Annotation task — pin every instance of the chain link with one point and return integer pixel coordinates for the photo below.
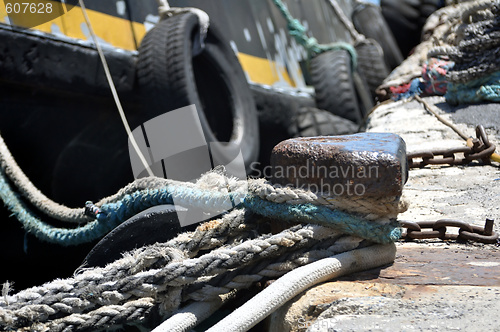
(480, 149)
(466, 231)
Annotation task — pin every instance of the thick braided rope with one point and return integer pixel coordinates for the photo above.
(136, 310)
(191, 315)
(44, 231)
(207, 236)
(324, 238)
(87, 291)
(119, 314)
(275, 193)
(207, 194)
(345, 222)
(108, 316)
(131, 200)
(380, 206)
(232, 280)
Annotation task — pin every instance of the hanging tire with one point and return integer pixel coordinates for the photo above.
(369, 21)
(332, 79)
(173, 73)
(278, 107)
(311, 121)
(371, 64)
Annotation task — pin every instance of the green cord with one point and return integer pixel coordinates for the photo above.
(311, 44)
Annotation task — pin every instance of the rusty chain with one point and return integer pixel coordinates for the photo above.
(480, 149)
(466, 231)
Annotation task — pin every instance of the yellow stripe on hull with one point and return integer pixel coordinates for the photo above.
(120, 33)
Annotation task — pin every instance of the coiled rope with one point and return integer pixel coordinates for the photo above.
(127, 289)
(281, 291)
(466, 41)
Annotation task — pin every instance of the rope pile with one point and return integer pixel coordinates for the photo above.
(464, 64)
(437, 30)
(154, 281)
(475, 77)
(209, 265)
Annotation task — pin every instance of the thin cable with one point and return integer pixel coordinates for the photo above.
(113, 91)
(429, 109)
(346, 22)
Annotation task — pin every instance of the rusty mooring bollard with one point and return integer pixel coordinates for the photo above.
(365, 164)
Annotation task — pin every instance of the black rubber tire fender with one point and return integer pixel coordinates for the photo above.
(369, 21)
(156, 224)
(277, 112)
(371, 64)
(406, 19)
(172, 76)
(311, 121)
(407, 8)
(276, 107)
(398, 23)
(332, 79)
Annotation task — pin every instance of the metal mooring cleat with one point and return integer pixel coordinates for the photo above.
(365, 164)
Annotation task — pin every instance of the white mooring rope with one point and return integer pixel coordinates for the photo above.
(298, 280)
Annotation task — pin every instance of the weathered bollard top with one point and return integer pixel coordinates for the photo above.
(364, 164)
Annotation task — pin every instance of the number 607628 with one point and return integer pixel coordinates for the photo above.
(28, 8)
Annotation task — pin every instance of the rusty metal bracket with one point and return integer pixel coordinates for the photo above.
(440, 230)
